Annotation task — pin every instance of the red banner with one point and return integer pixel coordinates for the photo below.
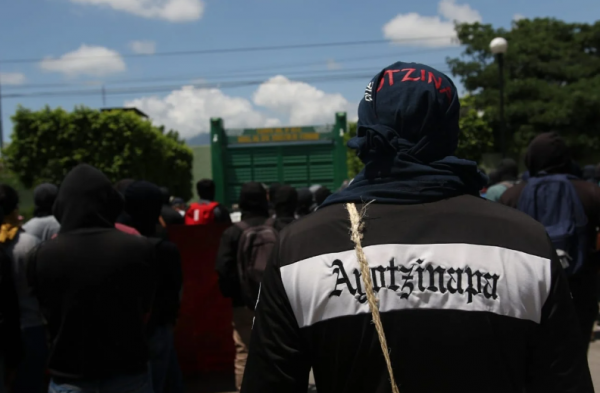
(204, 335)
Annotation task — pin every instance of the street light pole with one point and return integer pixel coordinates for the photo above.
(498, 47)
(500, 57)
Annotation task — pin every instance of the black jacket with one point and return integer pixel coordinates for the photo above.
(168, 292)
(10, 320)
(226, 264)
(95, 284)
(171, 216)
(471, 294)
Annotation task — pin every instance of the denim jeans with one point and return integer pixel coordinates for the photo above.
(140, 383)
(163, 361)
(30, 377)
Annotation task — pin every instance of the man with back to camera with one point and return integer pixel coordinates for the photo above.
(206, 210)
(365, 309)
(96, 288)
(549, 163)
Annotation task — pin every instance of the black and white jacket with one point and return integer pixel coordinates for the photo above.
(472, 299)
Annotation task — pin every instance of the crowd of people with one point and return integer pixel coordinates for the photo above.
(91, 285)
(405, 277)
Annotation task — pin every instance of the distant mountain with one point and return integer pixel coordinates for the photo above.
(199, 140)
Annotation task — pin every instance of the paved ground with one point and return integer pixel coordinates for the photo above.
(225, 384)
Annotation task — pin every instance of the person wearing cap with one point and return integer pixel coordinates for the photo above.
(422, 293)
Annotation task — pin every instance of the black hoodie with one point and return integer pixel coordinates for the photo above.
(143, 205)
(285, 202)
(94, 283)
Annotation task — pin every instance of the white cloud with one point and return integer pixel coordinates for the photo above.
(143, 47)
(12, 78)
(189, 110)
(333, 65)
(462, 13)
(87, 60)
(302, 103)
(169, 10)
(406, 27)
(518, 17)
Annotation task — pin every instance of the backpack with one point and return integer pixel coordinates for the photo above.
(254, 250)
(553, 201)
(201, 213)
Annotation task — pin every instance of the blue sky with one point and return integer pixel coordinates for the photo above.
(302, 86)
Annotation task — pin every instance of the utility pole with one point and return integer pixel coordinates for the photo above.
(1, 125)
(103, 97)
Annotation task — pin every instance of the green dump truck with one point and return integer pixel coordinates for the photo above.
(298, 156)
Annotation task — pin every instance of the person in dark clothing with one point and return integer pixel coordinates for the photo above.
(10, 320)
(123, 220)
(18, 244)
(285, 202)
(96, 287)
(576, 170)
(206, 193)
(43, 225)
(507, 175)
(272, 192)
(255, 211)
(305, 202)
(169, 215)
(144, 201)
(363, 307)
(589, 174)
(321, 195)
(549, 153)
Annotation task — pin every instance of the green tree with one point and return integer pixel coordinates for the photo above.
(47, 144)
(354, 163)
(552, 74)
(475, 138)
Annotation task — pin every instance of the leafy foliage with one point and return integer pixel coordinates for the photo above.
(476, 136)
(354, 163)
(552, 80)
(47, 144)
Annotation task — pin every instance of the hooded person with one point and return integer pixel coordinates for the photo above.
(144, 203)
(285, 202)
(549, 161)
(43, 225)
(420, 235)
(321, 195)
(169, 215)
(272, 192)
(18, 244)
(123, 223)
(254, 205)
(305, 202)
(507, 175)
(97, 321)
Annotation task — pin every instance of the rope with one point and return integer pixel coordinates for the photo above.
(357, 227)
